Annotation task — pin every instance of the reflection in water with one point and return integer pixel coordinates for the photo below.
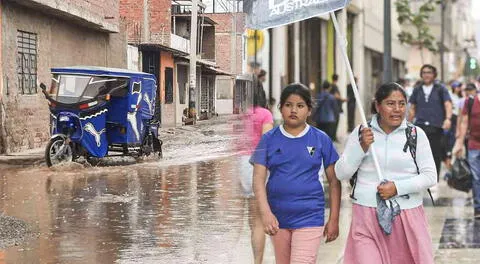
(460, 233)
(141, 213)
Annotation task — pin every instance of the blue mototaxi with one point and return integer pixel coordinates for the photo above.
(97, 111)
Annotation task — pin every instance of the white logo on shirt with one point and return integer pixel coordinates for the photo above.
(311, 150)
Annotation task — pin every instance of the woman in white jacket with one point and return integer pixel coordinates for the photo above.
(410, 240)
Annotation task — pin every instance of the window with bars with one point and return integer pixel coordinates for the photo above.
(27, 62)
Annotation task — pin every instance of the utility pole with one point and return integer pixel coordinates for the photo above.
(387, 42)
(443, 5)
(193, 62)
(234, 39)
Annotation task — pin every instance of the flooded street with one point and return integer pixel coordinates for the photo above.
(186, 208)
(126, 214)
(175, 209)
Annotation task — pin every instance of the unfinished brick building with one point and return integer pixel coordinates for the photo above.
(37, 35)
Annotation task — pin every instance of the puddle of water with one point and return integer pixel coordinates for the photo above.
(178, 214)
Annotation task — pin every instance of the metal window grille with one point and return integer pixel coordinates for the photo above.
(27, 62)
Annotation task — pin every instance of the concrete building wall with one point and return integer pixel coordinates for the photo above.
(168, 110)
(182, 28)
(373, 19)
(96, 14)
(224, 100)
(2, 109)
(181, 87)
(59, 43)
(458, 33)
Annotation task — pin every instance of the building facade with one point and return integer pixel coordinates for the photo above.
(229, 50)
(38, 35)
(459, 40)
(159, 43)
(309, 52)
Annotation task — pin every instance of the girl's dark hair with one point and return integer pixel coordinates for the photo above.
(385, 91)
(298, 89)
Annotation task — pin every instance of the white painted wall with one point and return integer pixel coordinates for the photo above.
(132, 58)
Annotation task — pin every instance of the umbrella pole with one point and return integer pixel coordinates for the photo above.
(343, 48)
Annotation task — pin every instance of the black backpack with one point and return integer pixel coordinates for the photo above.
(411, 144)
(461, 177)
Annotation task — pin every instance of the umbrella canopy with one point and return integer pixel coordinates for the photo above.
(264, 14)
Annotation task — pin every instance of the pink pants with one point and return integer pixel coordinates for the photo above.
(294, 246)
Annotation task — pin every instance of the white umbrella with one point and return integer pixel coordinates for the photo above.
(264, 14)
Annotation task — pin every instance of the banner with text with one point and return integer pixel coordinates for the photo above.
(262, 14)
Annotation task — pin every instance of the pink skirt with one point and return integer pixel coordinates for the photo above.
(409, 242)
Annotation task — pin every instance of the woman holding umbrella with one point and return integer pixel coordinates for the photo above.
(401, 235)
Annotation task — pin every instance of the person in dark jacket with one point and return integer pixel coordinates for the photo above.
(351, 104)
(340, 100)
(431, 107)
(259, 92)
(326, 109)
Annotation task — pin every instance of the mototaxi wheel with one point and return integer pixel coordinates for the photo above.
(53, 149)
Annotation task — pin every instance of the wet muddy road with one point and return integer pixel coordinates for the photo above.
(145, 212)
(185, 208)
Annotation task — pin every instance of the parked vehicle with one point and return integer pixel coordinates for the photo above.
(98, 112)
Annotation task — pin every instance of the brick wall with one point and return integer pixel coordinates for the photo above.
(224, 22)
(131, 14)
(158, 20)
(223, 41)
(60, 43)
(223, 50)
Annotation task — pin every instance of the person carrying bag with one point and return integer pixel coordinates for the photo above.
(470, 127)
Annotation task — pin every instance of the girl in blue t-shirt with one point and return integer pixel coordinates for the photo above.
(292, 204)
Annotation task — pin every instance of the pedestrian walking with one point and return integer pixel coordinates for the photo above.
(325, 110)
(407, 173)
(407, 86)
(340, 100)
(292, 204)
(470, 128)
(431, 106)
(456, 95)
(256, 121)
(470, 90)
(351, 105)
(259, 91)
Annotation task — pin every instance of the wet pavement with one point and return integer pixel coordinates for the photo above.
(126, 214)
(187, 208)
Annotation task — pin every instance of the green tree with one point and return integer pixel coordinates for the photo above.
(422, 37)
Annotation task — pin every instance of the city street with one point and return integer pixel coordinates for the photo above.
(186, 208)
(84, 80)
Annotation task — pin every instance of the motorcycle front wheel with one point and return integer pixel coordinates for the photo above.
(58, 152)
